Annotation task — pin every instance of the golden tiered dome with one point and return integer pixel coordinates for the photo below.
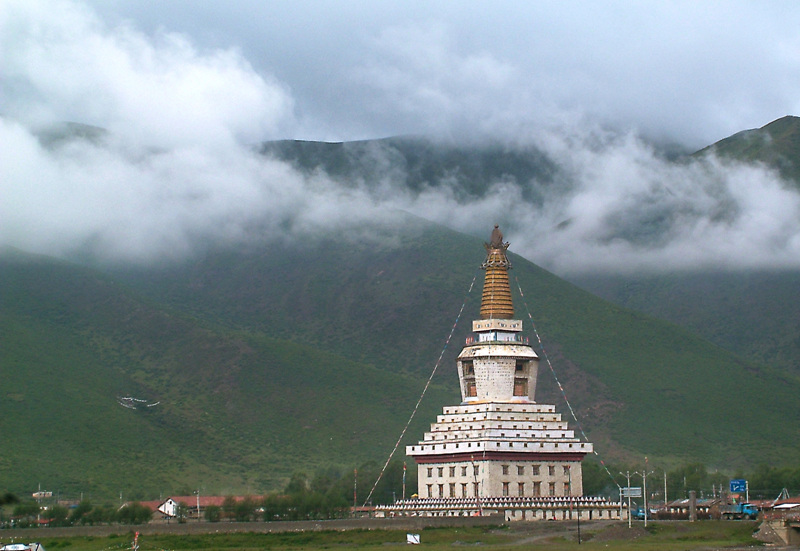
(496, 301)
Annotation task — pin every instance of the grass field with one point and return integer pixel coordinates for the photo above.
(658, 536)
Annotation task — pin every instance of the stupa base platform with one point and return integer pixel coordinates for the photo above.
(511, 508)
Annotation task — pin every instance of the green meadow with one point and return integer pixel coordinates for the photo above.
(551, 536)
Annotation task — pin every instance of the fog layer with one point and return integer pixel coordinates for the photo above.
(176, 169)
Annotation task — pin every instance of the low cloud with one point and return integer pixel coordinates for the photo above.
(621, 208)
(176, 169)
(632, 211)
(60, 62)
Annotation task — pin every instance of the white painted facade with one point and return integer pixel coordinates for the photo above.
(499, 449)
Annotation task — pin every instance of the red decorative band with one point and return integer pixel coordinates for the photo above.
(497, 456)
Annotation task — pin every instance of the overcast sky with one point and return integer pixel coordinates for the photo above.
(183, 85)
(690, 71)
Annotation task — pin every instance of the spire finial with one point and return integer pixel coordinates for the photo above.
(496, 301)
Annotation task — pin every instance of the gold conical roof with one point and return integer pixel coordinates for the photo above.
(496, 300)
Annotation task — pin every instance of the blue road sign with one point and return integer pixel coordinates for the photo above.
(738, 486)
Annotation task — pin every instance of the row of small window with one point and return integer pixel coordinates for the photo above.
(540, 409)
(502, 435)
(535, 470)
(536, 487)
(468, 368)
(520, 387)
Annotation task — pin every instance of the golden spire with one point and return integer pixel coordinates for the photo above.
(496, 301)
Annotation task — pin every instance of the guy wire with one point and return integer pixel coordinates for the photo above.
(424, 390)
(560, 387)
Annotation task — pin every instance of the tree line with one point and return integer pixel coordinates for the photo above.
(328, 493)
(25, 514)
(332, 492)
(764, 482)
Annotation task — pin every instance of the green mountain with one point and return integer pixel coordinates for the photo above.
(752, 313)
(105, 391)
(776, 145)
(232, 370)
(417, 164)
(253, 363)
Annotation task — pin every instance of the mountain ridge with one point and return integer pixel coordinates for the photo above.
(776, 145)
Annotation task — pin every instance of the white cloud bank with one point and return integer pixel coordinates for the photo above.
(176, 169)
(60, 62)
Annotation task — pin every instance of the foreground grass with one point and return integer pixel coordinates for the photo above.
(551, 536)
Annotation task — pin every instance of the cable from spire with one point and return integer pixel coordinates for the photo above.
(424, 390)
(560, 387)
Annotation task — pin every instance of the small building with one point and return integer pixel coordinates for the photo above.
(195, 506)
(703, 507)
(786, 509)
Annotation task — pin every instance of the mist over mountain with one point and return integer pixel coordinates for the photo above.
(586, 202)
(233, 287)
(550, 136)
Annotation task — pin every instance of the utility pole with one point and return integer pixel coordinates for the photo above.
(627, 475)
(577, 503)
(355, 490)
(477, 486)
(404, 480)
(644, 490)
